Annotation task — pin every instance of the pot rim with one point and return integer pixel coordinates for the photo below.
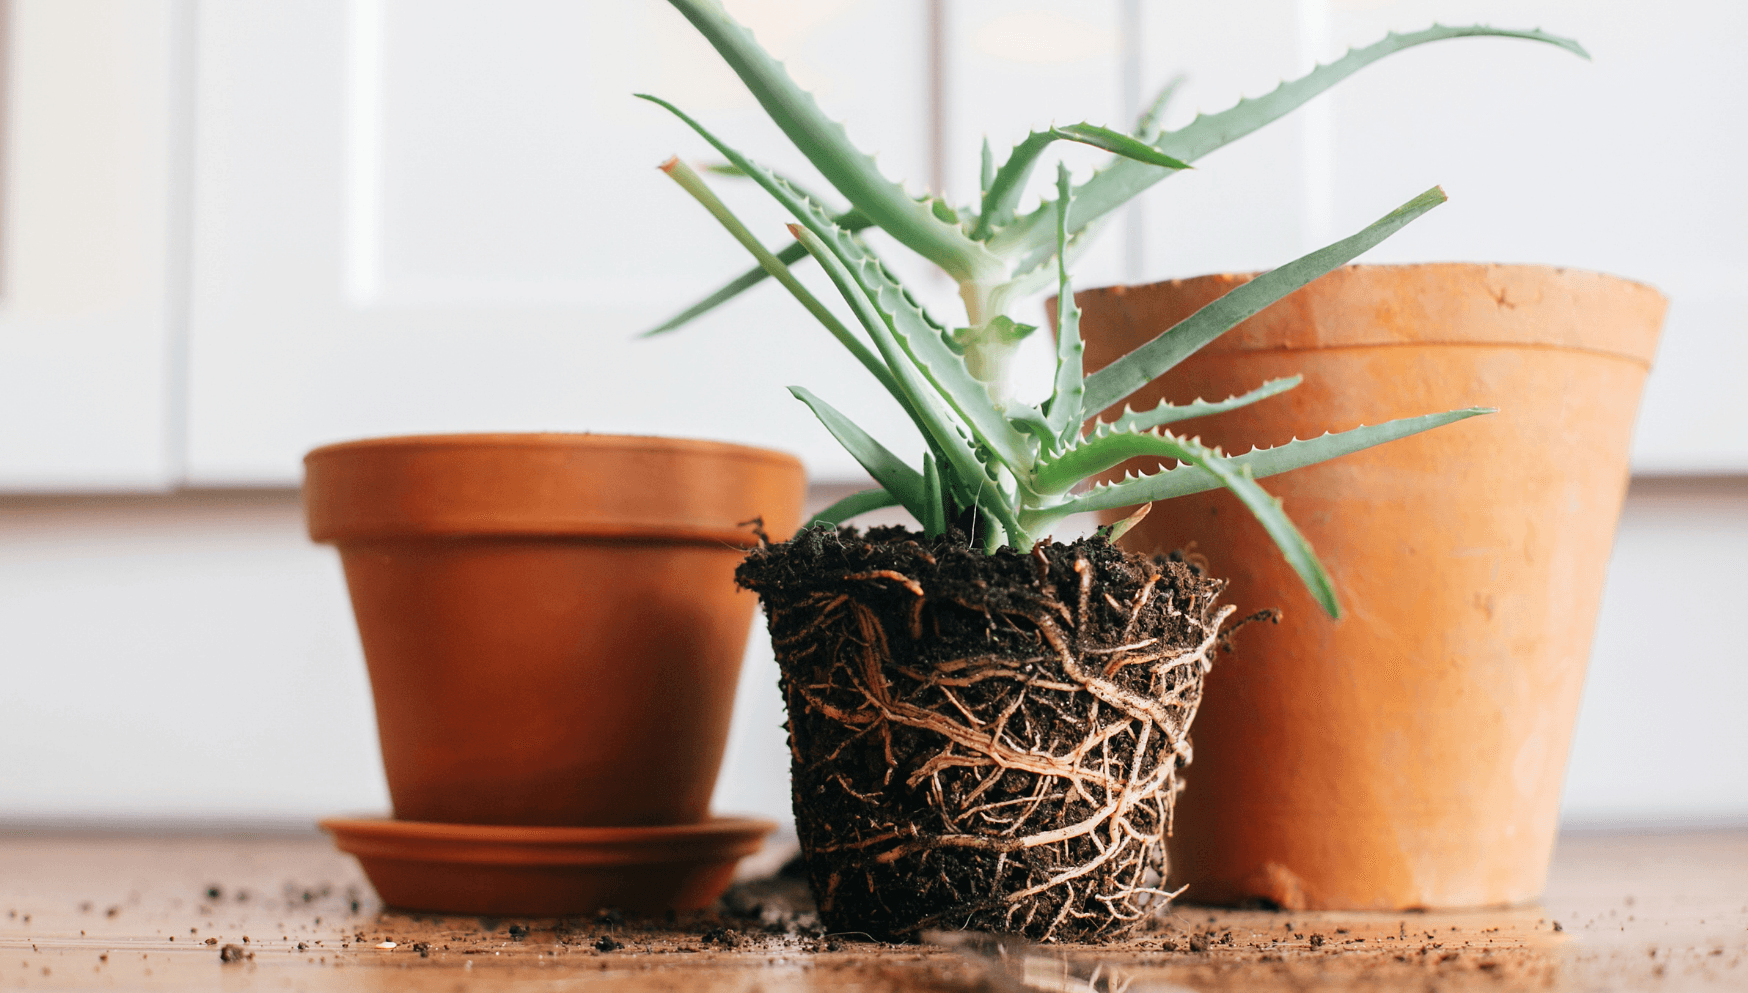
(1487, 304)
(556, 439)
(547, 484)
(1378, 267)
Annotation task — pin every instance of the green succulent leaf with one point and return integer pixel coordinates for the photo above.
(1113, 449)
(694, 184)
(927, 341)
(856, 503)
(1147, 126)
(1064, 407)
(1141, 366)
(1262, 462)
(1171, 413)
(1115, 532)
(1268, 512)
(933, 351)
(824, 142)
(934, 516)
(931, 347)
(1038, 271)
(810, 213)
(789, 254)
(946, 435)
(1118, 143)
(1001, 194)
(890, 471)
(1032, 421)
(734, 171)
(1000, 329)
(1120, 182)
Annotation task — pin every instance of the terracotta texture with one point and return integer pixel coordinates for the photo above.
(550, 621)
(1412, 753)
(548, 872)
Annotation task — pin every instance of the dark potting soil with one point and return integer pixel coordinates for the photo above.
(984, 741)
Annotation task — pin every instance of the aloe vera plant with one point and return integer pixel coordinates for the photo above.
(1009, 470)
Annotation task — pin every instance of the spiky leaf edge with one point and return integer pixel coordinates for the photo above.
(1148, 362)
(1124, 179)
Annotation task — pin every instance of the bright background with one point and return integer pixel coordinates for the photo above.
(230, 232)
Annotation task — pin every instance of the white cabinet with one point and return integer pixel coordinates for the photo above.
(233, 231)
(417, 216)
(91, 258)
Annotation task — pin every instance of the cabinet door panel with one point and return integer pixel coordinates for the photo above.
(454, 222)
(88, 289)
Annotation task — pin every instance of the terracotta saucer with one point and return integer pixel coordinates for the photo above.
(547, 871)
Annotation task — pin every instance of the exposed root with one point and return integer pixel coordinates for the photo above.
(986, 741)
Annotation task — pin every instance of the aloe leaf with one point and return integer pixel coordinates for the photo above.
(1118, 143)
(1240, 478)
(1001, 194)
(1031, 420)
(789, 254)
(926, 341)
(1064, 410)
(825, 143)
(1171, 413)
(1261, 462)
(730, 169)
(934, 518)
(986, 170)
(949, 441)
(1268, 512)
(1141, 366)
(1116, 531)
(901, 481)
(694, 184)
(856, 503)
(1037, 271)
(1125, 178)
(1147, 126)
(930, 347)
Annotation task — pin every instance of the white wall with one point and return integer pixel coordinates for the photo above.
(1663, 733)
(193, 657)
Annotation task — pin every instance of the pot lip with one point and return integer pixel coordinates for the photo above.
(1382, 267)
(546, 440)
(1591, 312)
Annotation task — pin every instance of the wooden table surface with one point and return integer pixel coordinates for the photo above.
(1635, 912)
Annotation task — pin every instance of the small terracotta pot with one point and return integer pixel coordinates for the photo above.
(550, 620)
(1410, 754)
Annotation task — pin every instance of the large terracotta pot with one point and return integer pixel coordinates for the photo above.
(1410, 754)
(550, 620)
